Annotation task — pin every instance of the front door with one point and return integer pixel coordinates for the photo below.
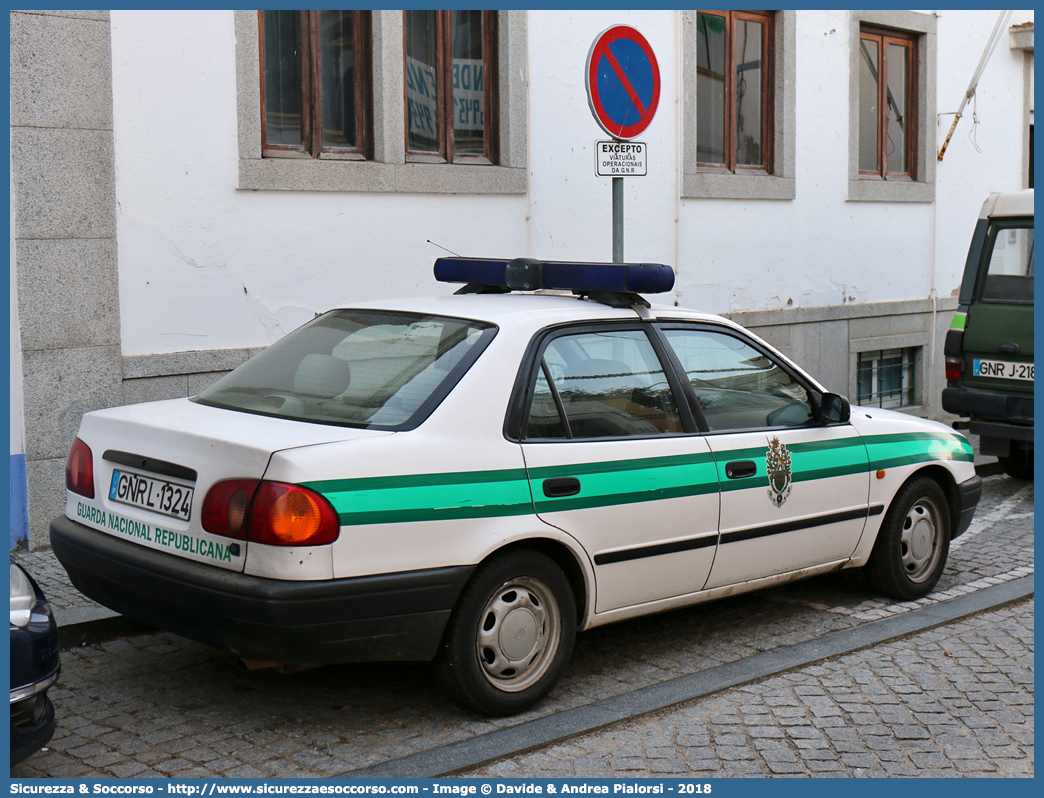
(794, 493)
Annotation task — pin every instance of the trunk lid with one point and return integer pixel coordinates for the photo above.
(147, 458)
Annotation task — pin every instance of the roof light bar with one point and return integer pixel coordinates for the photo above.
(528, 274)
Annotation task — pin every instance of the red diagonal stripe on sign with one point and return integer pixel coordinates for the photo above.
(623, 80)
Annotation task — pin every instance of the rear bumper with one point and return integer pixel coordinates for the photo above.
(969, 493)
(372, 618)
(1006, 414)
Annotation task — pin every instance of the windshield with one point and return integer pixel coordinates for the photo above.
(359, 368)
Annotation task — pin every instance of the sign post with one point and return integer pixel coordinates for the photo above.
(623, 91)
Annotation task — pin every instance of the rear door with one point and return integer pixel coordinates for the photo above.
(614, 461)
(998, 333)
(794, 494)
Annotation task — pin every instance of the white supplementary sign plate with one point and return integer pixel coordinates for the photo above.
(1003, 369)
(621, 159)
(150, 493)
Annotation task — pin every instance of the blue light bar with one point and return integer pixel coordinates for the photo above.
(527, 274)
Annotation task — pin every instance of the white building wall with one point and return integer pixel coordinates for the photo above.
(206, 266)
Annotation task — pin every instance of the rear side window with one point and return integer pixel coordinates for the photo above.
(601, 385)
(359, 368)
(1009, 273)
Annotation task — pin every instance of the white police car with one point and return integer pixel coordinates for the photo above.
(474, 478)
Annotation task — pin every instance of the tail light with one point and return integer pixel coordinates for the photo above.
(79, 469)
(269, 512)
(954, 368)
(225, 507)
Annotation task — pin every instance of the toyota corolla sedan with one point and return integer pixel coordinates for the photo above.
(473, 479)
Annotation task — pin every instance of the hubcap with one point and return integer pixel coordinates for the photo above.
(519, 633)
(920, 540)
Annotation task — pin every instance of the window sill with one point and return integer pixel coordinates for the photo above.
(871, 190)
(716, 185)
(275, 174)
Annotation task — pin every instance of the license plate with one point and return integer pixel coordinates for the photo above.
(151, 493)
(1003, 369)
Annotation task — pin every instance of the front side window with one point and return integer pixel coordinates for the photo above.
(315, 84)
(734, 103)
(886, 125)
(357, 368)
(601, 385)
(737, 386)
(449, 83)
(1009, 277)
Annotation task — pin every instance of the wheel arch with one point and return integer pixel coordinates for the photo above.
(565, 558)
(945, 480)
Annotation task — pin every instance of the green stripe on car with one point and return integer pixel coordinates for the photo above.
(506, 492)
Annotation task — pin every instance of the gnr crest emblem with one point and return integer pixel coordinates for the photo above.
(777, 465)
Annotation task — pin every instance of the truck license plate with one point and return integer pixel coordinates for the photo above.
(1003, 369)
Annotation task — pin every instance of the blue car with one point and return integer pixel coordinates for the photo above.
(35, 666)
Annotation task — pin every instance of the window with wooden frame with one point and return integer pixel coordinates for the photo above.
(450, 75)
(316, 94)
(734, 90)
(886, 104)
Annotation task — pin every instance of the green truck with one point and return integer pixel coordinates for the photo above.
(989, 346)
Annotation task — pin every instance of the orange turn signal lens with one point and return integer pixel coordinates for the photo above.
(295, 518)
(291, 515)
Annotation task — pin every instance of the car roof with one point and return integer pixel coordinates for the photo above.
(1011, 203)
(537, 309)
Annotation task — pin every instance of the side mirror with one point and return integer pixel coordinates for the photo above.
(834, 409)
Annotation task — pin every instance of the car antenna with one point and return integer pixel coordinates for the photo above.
(450, 251)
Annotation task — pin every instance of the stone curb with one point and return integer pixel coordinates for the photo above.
(453, 757)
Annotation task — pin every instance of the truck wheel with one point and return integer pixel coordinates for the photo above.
(510, 635)
(1019, 463)
(911, 548)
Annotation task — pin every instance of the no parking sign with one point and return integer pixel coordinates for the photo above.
(623, 82)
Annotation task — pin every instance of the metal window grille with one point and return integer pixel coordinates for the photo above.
(885, 378)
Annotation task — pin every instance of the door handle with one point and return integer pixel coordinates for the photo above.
(740, 469)
(1008, 349)
(561, 486)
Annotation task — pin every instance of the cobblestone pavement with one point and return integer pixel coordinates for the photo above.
(953, 701)
(159, 705)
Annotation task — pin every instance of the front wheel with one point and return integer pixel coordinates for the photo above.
(510, 636)
(912, 545)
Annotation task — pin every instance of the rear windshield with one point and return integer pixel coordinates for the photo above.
(358, 368)
(1009, 276)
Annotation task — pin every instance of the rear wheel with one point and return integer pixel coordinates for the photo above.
(510, 635)
(912, 546)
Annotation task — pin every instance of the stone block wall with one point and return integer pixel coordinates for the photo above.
(64, 200)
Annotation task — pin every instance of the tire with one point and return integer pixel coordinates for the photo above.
(914, 540)
(1019, 463)
(510, 635)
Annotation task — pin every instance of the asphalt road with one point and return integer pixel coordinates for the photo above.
(157, 705)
